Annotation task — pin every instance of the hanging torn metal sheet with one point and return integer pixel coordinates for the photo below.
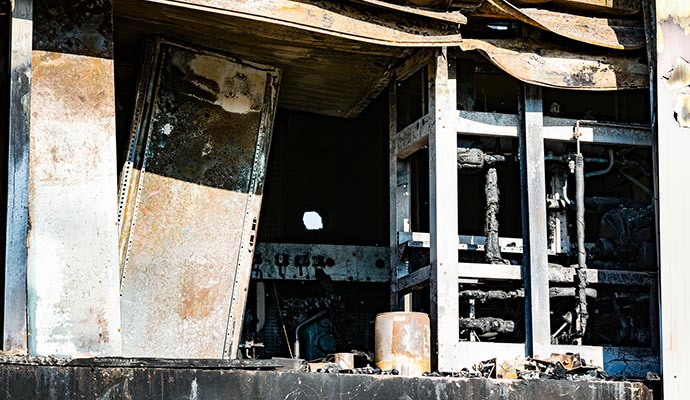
(453, 16)
(539, 64)
(341, 19)
(190, 198)
(609, 7)
(606, 32)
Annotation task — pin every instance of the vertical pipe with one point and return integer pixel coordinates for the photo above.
(581, 252)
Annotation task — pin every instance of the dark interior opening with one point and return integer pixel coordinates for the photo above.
(412, 99)
(337, 167)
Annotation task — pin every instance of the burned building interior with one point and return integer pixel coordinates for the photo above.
(492, 165)
(324, 286)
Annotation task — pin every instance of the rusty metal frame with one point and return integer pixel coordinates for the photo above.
(134, 170)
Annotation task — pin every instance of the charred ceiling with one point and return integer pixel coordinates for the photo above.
(336, 56)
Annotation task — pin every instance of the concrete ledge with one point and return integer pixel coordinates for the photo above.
(31, 381)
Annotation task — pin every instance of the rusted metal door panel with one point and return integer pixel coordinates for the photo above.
(191, 193)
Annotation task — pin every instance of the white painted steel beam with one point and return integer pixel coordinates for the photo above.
(443, 209)
(560, 129)
(533, 177)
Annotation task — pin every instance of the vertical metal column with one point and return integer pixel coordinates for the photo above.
(15, 327)
(399, 186)
(668, 25)
(443, 210)
(72, 260)
(534, 226)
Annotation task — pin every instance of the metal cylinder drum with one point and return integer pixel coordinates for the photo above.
(403, 342)
(344, 360)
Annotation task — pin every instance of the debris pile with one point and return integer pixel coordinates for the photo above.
(559, 366)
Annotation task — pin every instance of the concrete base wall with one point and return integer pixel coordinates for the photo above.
(26, 381)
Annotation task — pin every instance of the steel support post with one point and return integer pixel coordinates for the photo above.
(443, 210)
(534, 226)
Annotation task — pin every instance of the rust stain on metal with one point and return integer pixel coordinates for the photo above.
(402, 341)
(677, 12)
(538, 64)
(605, 32)
(190, 211)
(681, 109)
(72, 277)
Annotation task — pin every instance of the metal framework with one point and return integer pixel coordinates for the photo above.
(438, 131)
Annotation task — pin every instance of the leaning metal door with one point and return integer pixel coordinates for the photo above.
(190, 200)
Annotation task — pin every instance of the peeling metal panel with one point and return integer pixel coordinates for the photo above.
(541, 65)
(607, 32)
(72, 258)
(453, 16)
(670, 30)
(198, 157)
(334, 18)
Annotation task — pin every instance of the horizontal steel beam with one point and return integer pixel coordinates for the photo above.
(416, 135)
(413, 137)
(561, 129)
(287, 261)
(413, 281)
(557, 274)
(465, 242)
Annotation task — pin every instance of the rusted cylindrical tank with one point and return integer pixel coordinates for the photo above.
(403, 342)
